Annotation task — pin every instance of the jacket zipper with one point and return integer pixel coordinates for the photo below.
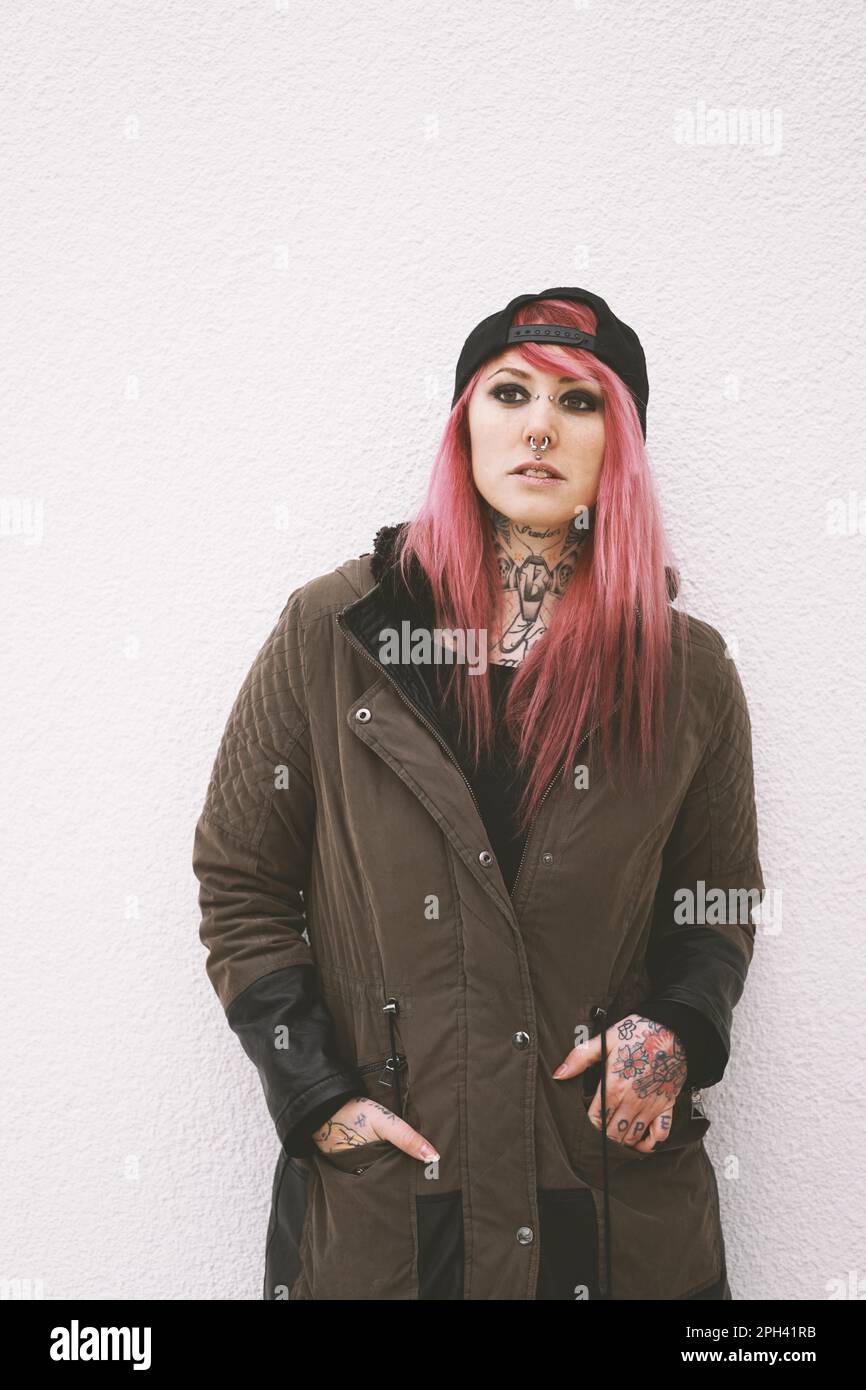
(550, 787)
(386, 1069)
(405, 698)
(391, 1007)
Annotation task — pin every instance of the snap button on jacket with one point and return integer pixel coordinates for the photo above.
(362, 941)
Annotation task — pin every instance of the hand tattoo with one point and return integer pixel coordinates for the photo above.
(349, 1134)
(655, 1062)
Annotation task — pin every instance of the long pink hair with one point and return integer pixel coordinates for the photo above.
(566, 686)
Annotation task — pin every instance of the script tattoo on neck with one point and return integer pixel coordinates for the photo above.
(535, 565)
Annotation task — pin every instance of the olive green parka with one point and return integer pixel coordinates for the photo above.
(361, 941)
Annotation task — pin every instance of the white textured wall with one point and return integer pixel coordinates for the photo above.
(242, 245)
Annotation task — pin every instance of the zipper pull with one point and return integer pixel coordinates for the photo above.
(697, 1112)
(387, 1073)
(390, 1073)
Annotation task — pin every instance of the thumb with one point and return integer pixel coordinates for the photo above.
(579, 1058)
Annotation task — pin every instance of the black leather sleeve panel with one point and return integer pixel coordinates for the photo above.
(287, 1032)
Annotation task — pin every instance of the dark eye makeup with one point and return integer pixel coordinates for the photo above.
(581, 402)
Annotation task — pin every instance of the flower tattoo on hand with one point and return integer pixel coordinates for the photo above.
(646, 1070)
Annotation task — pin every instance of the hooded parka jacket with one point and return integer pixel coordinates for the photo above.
(362, 941)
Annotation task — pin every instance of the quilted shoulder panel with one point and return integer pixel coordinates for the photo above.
(267, 727)
(263, 733)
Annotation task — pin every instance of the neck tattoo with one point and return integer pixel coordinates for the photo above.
(535, 566)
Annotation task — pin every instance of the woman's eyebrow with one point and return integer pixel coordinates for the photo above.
(518, 371)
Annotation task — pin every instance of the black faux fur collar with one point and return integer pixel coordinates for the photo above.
(416, 603)
(384, 545)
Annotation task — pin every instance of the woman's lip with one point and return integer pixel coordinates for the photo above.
(535, 464)
(527, 478)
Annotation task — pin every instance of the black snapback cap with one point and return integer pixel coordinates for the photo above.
(613, 342)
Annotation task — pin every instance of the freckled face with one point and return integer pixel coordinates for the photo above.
(504, 413)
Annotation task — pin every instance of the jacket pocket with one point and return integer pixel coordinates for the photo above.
(361, 1240)
(591, 1140)
(688, 1126)
(589, 1135)
(356, 1158)
(378, 1084)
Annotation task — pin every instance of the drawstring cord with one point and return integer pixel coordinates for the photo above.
(393, 1062)
(600, 1013)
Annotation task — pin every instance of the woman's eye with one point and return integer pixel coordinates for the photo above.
(500, 391)
(581, 402)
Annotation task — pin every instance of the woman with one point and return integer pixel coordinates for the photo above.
(477, 859)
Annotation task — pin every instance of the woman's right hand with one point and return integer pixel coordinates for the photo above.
(364, 1121)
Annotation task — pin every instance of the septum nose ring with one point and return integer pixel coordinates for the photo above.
(542, 446)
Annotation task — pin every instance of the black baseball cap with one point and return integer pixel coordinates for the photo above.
(613, 342)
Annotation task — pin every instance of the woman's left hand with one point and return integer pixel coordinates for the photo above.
(646, 1070)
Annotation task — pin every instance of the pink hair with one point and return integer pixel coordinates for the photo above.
(567, 681)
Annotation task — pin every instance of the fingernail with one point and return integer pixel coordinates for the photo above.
(427, 1152)
(560, 1071)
